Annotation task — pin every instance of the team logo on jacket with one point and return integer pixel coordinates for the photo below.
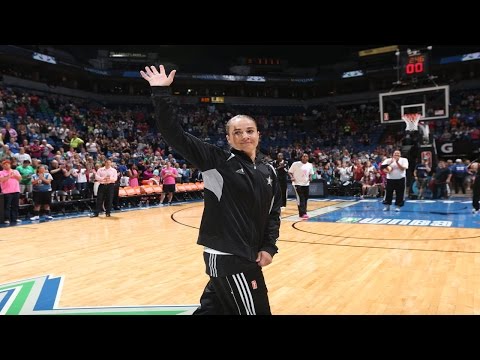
(254, 284)
(240, 171)
(269, 180)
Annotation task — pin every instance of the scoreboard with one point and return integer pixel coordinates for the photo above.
(415, 65)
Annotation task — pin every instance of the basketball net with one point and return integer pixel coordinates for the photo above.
(411, 120)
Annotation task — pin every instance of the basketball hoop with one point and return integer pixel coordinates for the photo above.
(411, 120)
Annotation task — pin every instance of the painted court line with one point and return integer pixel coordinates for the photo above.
(322, 211)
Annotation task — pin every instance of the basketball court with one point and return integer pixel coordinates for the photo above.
(350, 257)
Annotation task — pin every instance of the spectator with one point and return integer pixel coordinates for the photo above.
(169, 175)
(301, 173)
(26, 170)
(281, 166)
(8, 132)
(10, 185)
(106, 176)
(395, 167)
(42, 193)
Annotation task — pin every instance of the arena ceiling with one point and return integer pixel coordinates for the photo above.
(218, 58)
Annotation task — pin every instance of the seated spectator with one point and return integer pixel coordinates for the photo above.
(186, 173)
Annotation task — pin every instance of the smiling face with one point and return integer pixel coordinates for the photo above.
(242, 134)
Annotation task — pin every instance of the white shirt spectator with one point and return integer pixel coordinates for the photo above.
(22, 157)
(396, 173)
(301, 173)
(80, 175)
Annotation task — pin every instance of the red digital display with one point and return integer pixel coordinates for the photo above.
(415, 65)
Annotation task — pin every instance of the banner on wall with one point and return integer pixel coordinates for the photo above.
(454, 148)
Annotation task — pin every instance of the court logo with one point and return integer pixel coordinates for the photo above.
(349, 220)
(382, 221)
(40, 296)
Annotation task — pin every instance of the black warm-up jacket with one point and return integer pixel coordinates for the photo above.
(242, 198)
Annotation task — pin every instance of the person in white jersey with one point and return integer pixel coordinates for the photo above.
(396, 169)
(301, 174)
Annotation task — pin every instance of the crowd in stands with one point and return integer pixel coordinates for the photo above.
(73, 137)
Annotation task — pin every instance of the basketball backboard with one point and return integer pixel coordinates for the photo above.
(432, 103)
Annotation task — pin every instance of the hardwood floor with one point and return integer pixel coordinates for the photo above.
(150, 257)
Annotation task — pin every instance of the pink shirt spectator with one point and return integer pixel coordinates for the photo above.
(147, 174)
(12, 185)
(169, 175)
(12, 132)
(67, 120)
(134, 180)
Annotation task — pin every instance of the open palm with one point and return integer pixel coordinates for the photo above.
(157, 77)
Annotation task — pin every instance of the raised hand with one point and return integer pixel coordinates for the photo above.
(156, 78)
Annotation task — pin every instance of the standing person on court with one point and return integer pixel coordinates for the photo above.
(441, 176)
(281, 166)
(116, 188)
(241, 219)
(459, 173)
(10, 185)
(42, 192)
(169, 175)
(301, 173)
(475, 188)
(421, 176)
(106, 176)
(396, 168)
